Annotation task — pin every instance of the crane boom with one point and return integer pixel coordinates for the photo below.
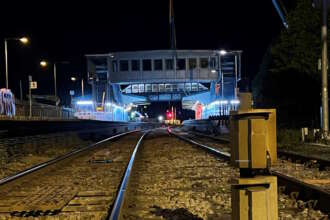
(280, 13)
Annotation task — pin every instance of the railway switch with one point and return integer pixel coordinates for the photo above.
(253, 151)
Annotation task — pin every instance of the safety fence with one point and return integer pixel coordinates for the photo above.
(40, 111)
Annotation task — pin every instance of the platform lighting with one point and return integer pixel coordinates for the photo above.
(129, 108)
(160, 118)
(84, 102)
(73, 79)
(113, 105)
(234, 102)
(223, 52)
(223, 102)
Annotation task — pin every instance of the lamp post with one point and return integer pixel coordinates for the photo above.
(74, 79)
(44, 63)
(23, 40)
(324, 37)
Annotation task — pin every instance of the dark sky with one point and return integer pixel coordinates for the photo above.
(64, 31)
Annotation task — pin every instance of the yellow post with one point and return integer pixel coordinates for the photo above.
(253, 140)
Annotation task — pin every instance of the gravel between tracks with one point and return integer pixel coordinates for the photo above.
(173, 180)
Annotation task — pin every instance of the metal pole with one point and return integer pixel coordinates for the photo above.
(6, 63)
(222, 83)
(82, 87)
(324, 37)
(55, 91)
(236, 77)
(20, 90)
(30, 98)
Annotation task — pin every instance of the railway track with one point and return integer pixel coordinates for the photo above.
(314, 196)
(134, 177)
(80, 184)
(172, 179)
(283, 154)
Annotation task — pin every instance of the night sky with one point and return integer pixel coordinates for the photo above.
(65, 31)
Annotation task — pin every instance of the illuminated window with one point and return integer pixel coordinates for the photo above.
(135, 88)
(169, 64)
(161, 88)
(204, 63)
(168, 87)
(192, 63)
(154, 87)
(148, 88)
(141, 88)
(123, 64)
(135, 65)
(146, 65)
(180, 64)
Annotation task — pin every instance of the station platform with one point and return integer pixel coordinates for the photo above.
(14, 128)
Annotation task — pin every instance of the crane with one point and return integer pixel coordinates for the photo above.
(280, 13)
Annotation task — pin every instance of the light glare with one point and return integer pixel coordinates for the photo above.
(234, 102)
(84, 102)
(223, 52)
(43, 63)
(24, 40)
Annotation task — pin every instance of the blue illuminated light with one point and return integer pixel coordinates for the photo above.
(234, 102)
(84, 102)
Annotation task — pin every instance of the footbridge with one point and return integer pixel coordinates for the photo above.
(204, 80)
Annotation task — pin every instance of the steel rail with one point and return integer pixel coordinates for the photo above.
(205, 147)
(116, 209)
(323, 162)
(296, 156)
(220, 139)
(307, 192)
(60, 158)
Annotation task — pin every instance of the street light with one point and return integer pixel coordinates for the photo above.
(74, 79)
(23, 40)
(223, 52)
(44, 63)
